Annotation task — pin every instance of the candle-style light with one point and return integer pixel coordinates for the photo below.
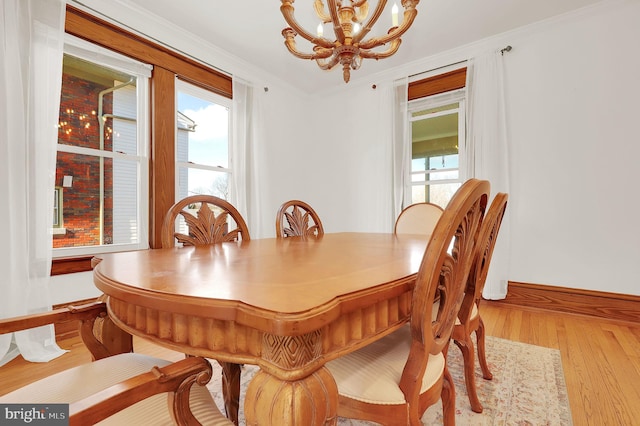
(351, 23)
(394, 15)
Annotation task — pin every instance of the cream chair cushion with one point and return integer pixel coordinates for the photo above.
(372, 373)
(420, 218)
(86, 379)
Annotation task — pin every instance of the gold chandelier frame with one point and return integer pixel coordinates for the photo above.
(350, 45)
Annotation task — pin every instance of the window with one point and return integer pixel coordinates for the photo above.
(102, 152)
(58, 222)
(437, 133)
(437, 121)
(202, 142)
(155, 128)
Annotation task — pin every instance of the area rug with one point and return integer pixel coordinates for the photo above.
(527, 388)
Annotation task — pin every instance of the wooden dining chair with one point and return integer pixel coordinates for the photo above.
(469, 319)
(209, 220)
(394, 380)
(418, 218)
(301, 220)
(118, 387)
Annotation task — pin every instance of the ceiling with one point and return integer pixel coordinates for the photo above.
(251, 30)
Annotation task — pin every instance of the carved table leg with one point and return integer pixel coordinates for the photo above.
(231, 389)
(292, 386)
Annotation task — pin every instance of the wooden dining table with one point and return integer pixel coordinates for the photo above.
(287, 305)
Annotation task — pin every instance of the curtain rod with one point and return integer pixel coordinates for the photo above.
(438, 68)
(507, 48)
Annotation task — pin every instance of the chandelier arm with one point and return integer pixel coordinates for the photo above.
(393, 48)
(337, 28)
(363, 10)
(318, 5)
(371, 22)
(290, 42)
(327, 65)
(288, 10)
(396, 32)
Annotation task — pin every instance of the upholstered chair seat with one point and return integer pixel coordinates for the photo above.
(74, 384)
(372, 373)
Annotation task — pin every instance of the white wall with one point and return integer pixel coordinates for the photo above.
(282, 172)
(72, 287)
(573, 93)
(572, 87)
(341, 162)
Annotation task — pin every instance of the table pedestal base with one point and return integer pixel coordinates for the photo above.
(311, 401)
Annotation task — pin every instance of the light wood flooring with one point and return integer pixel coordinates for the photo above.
(601, 359)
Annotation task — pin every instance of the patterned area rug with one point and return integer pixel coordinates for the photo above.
(528, 388)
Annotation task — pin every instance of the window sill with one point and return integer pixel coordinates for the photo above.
(70, 265)
(59, 231)
(81, 263)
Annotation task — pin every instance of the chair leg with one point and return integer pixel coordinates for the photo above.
(482, 357)
(448, 396)
(231, 389)
(466, 347)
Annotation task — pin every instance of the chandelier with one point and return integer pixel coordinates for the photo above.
(351, 24)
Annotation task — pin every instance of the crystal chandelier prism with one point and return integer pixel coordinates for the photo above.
(351, 23)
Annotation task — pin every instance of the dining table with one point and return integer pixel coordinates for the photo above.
(287, 305)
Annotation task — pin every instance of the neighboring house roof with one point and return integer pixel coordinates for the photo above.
(185, 123)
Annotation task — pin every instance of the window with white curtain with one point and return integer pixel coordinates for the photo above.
(102, 152)
(437, 126)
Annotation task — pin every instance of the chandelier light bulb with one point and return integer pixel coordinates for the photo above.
(394, 15)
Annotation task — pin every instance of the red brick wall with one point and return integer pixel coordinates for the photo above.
(79, 127)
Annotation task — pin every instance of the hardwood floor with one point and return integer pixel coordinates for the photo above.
(601, 359)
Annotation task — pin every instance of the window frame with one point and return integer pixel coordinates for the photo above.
(58, 211)
(102, 57)
(168, 64)
(442, 89)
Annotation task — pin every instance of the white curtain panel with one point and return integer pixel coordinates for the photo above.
(488, 151)
(246, 131)
(401, 149)
(30, 80)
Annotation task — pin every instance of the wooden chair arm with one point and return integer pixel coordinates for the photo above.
(104, 340)
(176, 378)
(70, 313)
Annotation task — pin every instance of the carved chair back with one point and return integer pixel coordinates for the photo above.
(296, 218)
(202, 220)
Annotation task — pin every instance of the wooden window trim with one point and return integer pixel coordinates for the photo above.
(167, 66)
(70, 265)
(440, 83)
(109, 36)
